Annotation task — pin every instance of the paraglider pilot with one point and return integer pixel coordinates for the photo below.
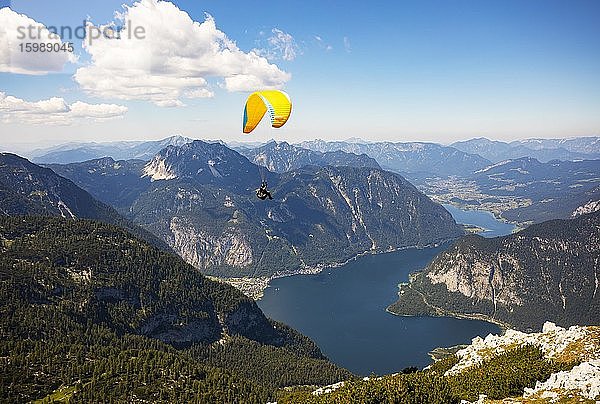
(263, 193)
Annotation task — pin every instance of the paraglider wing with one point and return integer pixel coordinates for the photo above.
(253, 112)
(276, 102)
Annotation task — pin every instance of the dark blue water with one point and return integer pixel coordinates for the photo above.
(343, 311)
(482, 219)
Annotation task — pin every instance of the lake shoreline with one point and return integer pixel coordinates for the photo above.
(463, 316)
(254, 287)
(518, 226)
(345, 312)
(432, 310)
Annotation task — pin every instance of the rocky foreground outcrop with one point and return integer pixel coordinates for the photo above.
(555, 365)
(576, 343)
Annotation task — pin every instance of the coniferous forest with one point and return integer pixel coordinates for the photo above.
(92, 313)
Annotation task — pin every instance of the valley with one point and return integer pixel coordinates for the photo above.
(326, 256)
(522, 191)
(198, 198)
(299, 202)
(343, 309)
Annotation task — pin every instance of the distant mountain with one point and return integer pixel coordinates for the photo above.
(559, 206)
(200, 199)
(206, 163)
(585, 145)
(547, 272)
(282, 156)
(116, 183)
(408, 158)
(493, 150)
(28, 189)
(543, 150)
(553, 189)
(528, 176)
(92, 314)
(77, 152)
(246, 145)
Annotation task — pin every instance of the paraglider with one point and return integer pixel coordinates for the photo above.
(276, 102)
(263, 193)
(279, 105)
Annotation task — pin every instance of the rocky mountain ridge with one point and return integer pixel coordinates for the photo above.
(547, 272)
(280, 157)
(199, 198)
(123, 150)
(28, 189)
(554, 365)
(544, 150)
(408, 158)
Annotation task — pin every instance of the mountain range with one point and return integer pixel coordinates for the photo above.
(505, 178)
(547, 272)
(28, 189)
(523, 190)
(125, 150)
(280, 157)
(199, 198)
(543, 150)
(408, 158)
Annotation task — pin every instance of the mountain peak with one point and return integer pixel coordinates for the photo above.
(176, 140)
(282, 156)
(204, 162)
(356, 140)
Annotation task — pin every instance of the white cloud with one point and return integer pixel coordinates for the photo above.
(282, 45)
(54, 111)
(18, 29)
(322, 44)
(173, 60)
(81, 109)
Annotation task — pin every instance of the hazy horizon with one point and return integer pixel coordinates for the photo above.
(409, 71)
(30, 147)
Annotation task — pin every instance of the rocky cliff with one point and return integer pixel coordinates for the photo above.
(548, 272)
(281, 157)
(199, 198)
(28, 189)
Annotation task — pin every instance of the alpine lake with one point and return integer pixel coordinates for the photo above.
(343, 309)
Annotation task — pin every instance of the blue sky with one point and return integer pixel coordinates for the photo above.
(400, 71)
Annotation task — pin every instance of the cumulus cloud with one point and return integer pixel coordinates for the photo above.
(54, 111)
(172, 60)
(18, 29)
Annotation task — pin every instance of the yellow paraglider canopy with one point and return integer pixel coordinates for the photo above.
(276, 102)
